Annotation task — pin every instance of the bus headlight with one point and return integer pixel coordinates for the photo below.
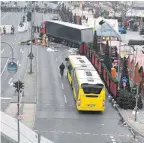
(78, 102)
(103, 104)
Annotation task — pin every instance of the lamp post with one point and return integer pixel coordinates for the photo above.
(32, 36)
(12, 51)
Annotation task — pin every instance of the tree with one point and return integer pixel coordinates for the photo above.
(75, 19)
(95, 43)
(124, 7)
(80, 21)
(115, 5)
(107, 58)
(125, 74)
(126, 100)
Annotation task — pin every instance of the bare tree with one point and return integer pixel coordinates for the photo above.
(124, 7)
(115, 6)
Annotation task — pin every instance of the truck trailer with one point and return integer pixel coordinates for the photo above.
(71, 34)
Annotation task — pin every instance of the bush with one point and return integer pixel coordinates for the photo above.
(127, 100)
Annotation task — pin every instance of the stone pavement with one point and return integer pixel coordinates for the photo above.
(129, 118)
(28, 101)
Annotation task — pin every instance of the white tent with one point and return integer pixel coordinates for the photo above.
(112, 22)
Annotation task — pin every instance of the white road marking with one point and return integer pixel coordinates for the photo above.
(11, 83)
(21, 51)
(69, 132)
(10, 80)
(62, 85)
(86, 133)
(2, 51)
(5, 98)
(113, 140)
(4, 16)
(5, 67)
(56, 59)
(111, 137)
(19, 65)
(65, 98)
(17, 62)
(78, 133)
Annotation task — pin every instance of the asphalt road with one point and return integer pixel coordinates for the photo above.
(56, 116)
(20, 55)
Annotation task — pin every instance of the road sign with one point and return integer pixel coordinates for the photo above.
(124, 84)
(124, 79)
(12, 67)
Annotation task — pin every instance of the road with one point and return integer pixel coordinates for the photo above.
(56, 115)
(20, 54)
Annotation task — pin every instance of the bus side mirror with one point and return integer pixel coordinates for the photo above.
(66, 59)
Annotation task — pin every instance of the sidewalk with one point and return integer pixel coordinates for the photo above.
(129, 118)
(28, 101)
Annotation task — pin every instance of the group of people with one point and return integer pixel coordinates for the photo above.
(36, 29)
(12, 30)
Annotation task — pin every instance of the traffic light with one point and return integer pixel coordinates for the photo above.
(18, 85)
(23, 18)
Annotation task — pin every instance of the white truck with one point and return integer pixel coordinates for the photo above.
(68, 32)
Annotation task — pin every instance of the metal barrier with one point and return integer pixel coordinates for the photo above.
(9, 130)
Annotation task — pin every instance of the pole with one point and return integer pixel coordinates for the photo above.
(134, 64)
(101, 40)
(31, 40)
(18, 113)
(136, 103)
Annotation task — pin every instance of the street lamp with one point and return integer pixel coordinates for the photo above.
(11, 66)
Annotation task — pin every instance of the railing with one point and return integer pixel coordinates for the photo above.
(9, 130)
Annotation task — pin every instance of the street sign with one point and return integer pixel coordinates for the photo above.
(31, 56)
(124, 79)
(12, 67)
(124, 84)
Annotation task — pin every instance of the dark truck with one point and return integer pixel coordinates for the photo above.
(71, 34)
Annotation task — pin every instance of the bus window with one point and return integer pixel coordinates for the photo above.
(90, 89)
(76, 86)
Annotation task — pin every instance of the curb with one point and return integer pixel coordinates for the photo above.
(131, 127)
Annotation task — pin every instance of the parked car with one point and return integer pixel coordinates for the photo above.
(122, 30)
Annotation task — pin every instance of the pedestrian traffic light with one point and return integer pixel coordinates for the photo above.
(18, 85)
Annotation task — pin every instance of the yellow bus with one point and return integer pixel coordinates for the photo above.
(88, 88)
(75, 61)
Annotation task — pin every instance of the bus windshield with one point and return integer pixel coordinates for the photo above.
(92, 89)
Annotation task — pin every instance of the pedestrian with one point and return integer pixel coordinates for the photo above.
(4, 30)
(62, 67)
(38, 29)
(12, 29)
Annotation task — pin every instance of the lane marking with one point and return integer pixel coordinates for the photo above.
(17, 62)
(11, 84)
(4, 16)
(10, 80)
(5, 98)
(19, 65)
(4, 67)
(65, 98)
(62, 85)
(56, 59)
(21, 51)
(2, 51)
